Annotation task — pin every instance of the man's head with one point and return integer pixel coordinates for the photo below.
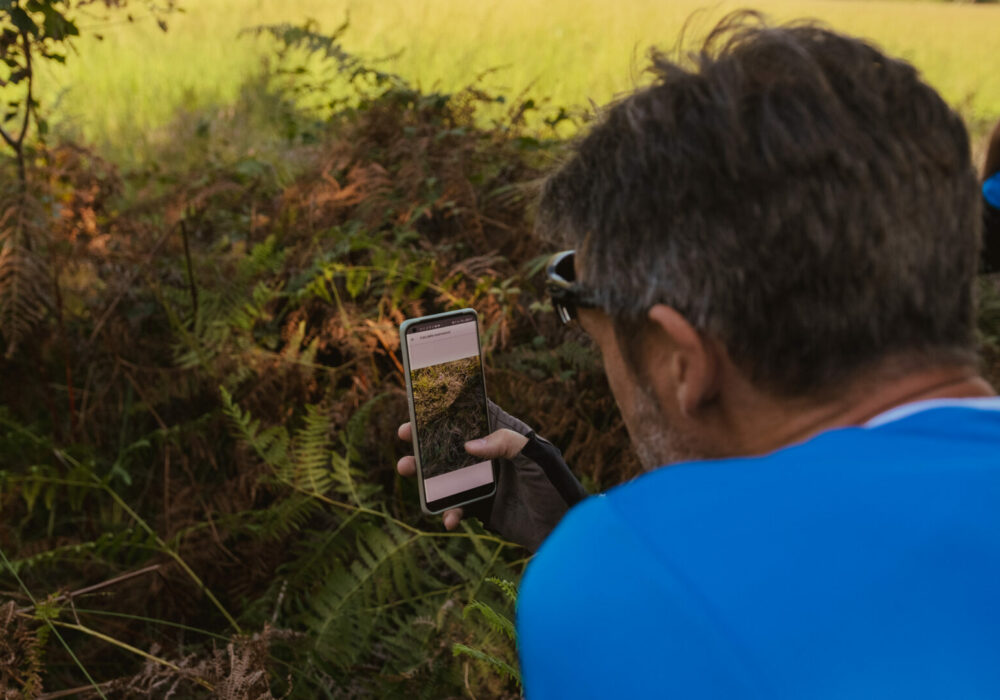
(787, 211)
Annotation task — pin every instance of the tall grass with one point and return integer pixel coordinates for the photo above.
(120, 92)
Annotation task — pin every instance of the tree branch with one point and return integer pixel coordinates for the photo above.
(7, 137)
(30, 73)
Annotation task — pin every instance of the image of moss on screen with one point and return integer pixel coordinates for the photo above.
(450, 409)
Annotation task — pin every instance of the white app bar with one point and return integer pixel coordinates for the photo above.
(442, 345)
(444, 485)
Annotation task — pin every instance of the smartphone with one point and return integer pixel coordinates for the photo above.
(446, 390)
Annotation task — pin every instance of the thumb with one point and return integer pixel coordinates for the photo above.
(502, 443)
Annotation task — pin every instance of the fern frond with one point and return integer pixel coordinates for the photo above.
(347, 478)
(508, 587)
(307, 469)
(499, 664)
(23, 295)
(497, 621)
(270, 444)
(384, 568)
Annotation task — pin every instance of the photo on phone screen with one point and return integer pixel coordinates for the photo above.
(449, 408)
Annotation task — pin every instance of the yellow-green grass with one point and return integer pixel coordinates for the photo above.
(121, 91)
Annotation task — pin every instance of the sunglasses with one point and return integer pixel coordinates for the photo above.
(567, 295)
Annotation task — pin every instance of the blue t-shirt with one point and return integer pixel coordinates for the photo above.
(991, 190)
(863, 563)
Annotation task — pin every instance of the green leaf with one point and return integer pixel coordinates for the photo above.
(502, 666)
(56, 25)
(356, 280)
(499, 622)
(508, 588)
(23, 21)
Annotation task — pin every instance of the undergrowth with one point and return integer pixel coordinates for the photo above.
(201, 388)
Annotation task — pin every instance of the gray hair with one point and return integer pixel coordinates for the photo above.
(791, 191)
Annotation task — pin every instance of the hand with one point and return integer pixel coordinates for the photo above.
(526, 506)
(503, 443)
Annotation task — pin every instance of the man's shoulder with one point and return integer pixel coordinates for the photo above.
(889, 466)
(593, 608)
(703, 563)
(844, 468)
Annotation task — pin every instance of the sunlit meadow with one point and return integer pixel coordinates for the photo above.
(121, 91)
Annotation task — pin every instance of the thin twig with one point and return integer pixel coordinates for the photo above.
(149, 404)
(18, 145)
(69, 692)
(103, 584)
(10, 141)
(30, 74)
(191, 283)
(391, 354)
(128, 647)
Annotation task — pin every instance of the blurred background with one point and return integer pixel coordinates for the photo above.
(120, 91)
(213, 216)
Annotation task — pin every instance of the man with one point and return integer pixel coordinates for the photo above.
(991, 203)
(776, 245)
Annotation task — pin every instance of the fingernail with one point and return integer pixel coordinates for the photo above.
(450, 522)
(479, 444)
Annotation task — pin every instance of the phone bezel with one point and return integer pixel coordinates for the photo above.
(462, 498)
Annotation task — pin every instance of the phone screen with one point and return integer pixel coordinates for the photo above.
(449, 405)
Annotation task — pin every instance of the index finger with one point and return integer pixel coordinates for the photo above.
(405, 432)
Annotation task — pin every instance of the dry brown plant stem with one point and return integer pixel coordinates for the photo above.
(99, 586)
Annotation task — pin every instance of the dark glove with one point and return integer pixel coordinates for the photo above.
(534, 489)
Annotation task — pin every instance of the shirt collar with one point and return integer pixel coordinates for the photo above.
(985, 403)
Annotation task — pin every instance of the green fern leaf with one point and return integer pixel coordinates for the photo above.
(508, 588)
(497, 621)
(498, 664)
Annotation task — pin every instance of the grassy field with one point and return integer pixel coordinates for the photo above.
(120, 92)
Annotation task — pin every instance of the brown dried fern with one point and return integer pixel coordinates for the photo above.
(21, 653)
(24, 280)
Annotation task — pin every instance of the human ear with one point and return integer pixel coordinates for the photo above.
(686, 357)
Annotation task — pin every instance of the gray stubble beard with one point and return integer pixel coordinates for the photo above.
(656, 442)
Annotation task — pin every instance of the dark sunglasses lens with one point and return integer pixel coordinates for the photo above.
(561, 275)
(565, 268)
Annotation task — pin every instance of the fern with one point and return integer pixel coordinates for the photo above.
(499, 623)
(507, 587)
(346, 614)
(327, 47)
(368, 588)
(22, 295)
(107, 546)
(499, 664)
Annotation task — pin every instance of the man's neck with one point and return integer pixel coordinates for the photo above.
(774, 423)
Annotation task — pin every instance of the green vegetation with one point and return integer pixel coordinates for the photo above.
(124, 92)
(199, 374)
(201, 388)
